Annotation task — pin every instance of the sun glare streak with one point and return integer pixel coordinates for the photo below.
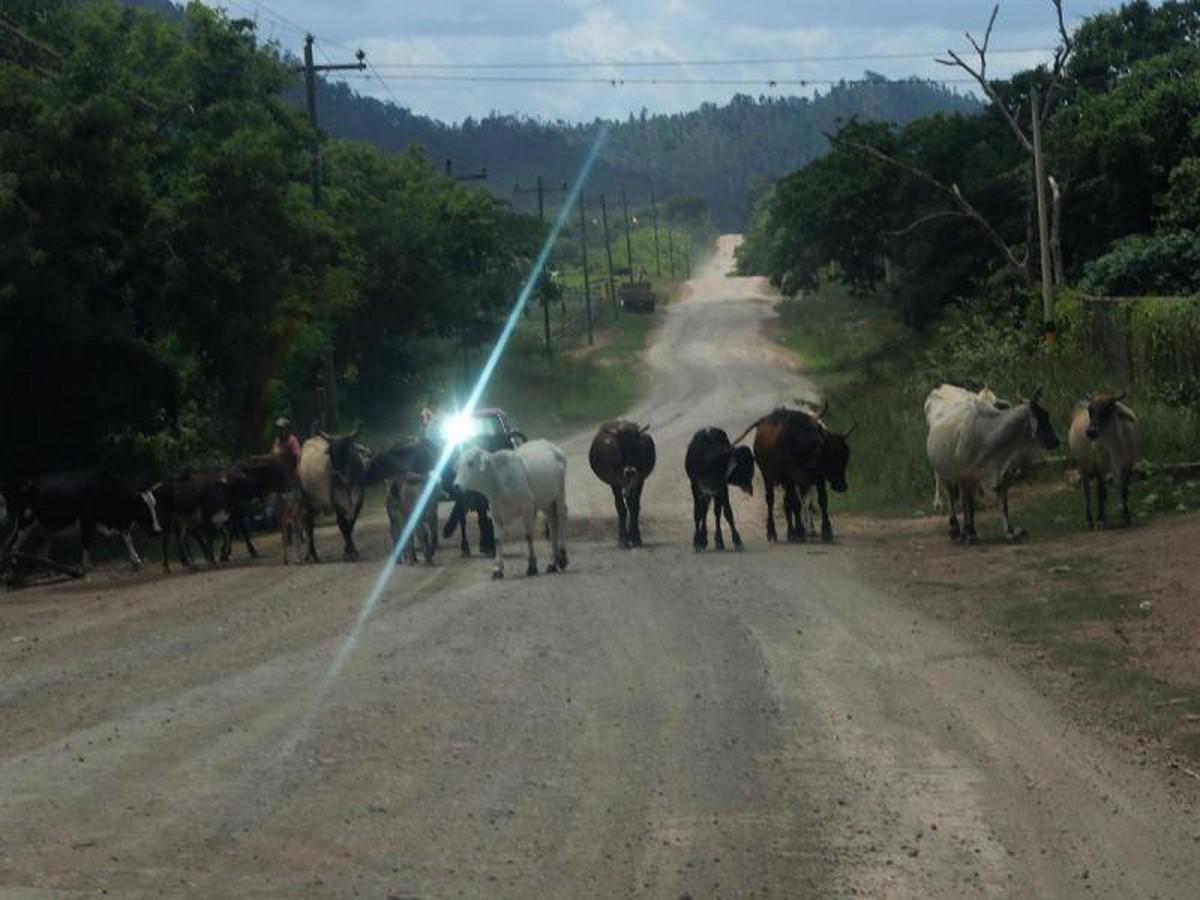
(433, 482)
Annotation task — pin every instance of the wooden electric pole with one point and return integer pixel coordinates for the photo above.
(310, 90)
(671, 251)
(657, 256)
(540, 189)
(587, 283)
(628, 244)
(1049, 327)
(612, 284)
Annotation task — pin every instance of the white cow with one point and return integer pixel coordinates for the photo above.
(973, 445)
(941, 401)
(1104, 438)
(518, 483)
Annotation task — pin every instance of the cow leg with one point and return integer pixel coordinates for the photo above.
(718, 538)
(560, 514)
(87, 532)
(1101, 497)
(967, 496)
(310, 525)
(1010, 532)
(529, 519)
(1126, 477)
(487, 530)
(792, 502)
(134, 559)
(953, 496)
(498, 569)
(346, 527)
(166, 548)
(622, 512)
(733, 532)
(635, 515)
(1084, 482)
(769, 491)
(699, 519)
(458, 519)
(823, 501)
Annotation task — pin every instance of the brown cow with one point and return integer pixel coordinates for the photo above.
(795, 450)
(623, 456)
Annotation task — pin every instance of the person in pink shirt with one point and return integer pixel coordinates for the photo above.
(286, 445)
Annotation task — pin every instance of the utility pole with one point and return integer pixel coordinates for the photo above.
(688, 247)
(587, 283)
(1049, 328)
(541, 202)
(310, 90)
(657, 257)
(671, 250)
(612, 284)
(481, 175)
(628, 245)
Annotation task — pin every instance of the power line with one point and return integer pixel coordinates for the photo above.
(386, 86)
(622, 81)
(665, 63)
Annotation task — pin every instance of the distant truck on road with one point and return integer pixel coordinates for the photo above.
(637, 297)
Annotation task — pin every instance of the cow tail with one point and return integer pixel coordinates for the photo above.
(753, 425)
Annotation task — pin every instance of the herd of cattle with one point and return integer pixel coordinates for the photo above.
(976, 442)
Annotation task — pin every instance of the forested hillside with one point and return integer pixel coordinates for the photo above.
(719, 152)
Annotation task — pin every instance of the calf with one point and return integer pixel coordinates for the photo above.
(403, 496)
(518, 483)
(1104, 439)
(92, 501)
(712, 464)
(195, 504)
(622, 455)
(292, 530)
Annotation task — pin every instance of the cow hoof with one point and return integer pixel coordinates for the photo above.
(497, 575)
(465, 553)
(738, 546)
(350, 556)
(562, 562)
(552, 569)
(532, 570)
(1017, 534)
(827, 535)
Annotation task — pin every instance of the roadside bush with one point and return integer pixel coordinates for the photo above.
(1164, 264)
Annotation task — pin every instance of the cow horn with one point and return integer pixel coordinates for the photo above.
(849, 430)
(325, 436)
(1119, 397)
(644, 428)
(824, 408)
(1036, 395)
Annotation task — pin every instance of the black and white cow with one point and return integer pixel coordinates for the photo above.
(712, 465)
(94, 501)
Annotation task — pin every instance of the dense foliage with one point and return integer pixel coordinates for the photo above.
(1122, 143)
(167, 284)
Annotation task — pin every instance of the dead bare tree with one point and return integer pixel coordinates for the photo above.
(1014, 118)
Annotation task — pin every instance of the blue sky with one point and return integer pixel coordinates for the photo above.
(460, 33)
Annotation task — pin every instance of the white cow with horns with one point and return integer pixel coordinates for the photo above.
(518, 484)
(942, 401)
(974, 445)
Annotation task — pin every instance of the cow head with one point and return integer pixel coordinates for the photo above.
(1101, 410)
(474, 470)
(835, 457)
(740, 469)
(1043, 428)
(147, 512)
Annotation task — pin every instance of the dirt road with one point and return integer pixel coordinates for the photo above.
(651, 724)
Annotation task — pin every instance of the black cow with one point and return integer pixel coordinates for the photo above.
(713, 464)
(795, 449)
(194, 504)
(623, 456)
(94, 501)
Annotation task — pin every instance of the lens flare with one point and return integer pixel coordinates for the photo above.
(465, 415)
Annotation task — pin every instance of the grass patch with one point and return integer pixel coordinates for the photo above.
(574, 388)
